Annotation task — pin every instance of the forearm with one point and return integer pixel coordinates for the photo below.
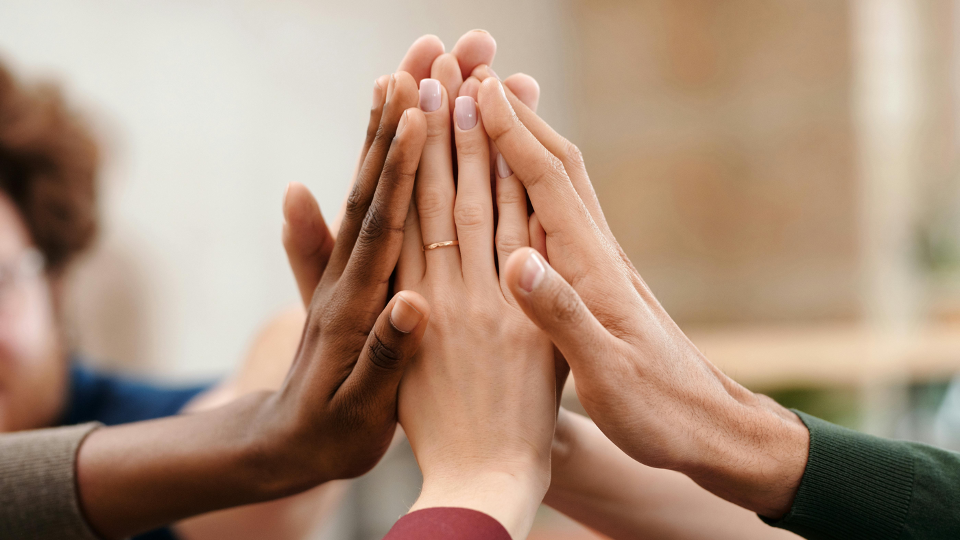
(138, 476)
(597, 484)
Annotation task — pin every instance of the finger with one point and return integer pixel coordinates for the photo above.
(553, 305)
(401, 95)
(512, 224)
(538, 237)
(306, 239)
(559, 208)
(412, 264)
(389, 348)
(525, 88)
(446, 70)
(435, 192)
(420, 57)
(556, 144)
(470, 88)
(376, 110)
(473, 212)
(472, 49)
(378, 246)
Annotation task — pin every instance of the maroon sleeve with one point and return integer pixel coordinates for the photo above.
(447, 524)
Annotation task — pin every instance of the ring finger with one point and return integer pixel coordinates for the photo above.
(435, 187)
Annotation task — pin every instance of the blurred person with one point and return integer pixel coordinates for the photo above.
(48, 217)
(333, 416)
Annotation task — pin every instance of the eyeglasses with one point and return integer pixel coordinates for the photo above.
(27, 266)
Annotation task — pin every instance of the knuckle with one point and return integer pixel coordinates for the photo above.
(469, 215)
(376, 225)
(565, 307)
(572, 155)
(508, 241)
(471, 147)
(511, 195)
(382, 354)
(551, 172)
(432, 202)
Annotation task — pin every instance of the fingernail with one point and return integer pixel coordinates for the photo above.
(377, 94)
(402, 124)
(466, 110)
(429, 95)
(390, 86)
(503, 170)
(494, 74)
(533, 271)
(404, 317)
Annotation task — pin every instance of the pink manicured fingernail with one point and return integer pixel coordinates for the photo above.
(494, 73)
(377, 94)
(429, 95)
(503, 170)
(533, 271)
(466, 110)
(404, 317)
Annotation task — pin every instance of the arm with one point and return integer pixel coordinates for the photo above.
(478, 402)
(308, 243)
(595, 483)
(650, 390)
(38, 486)
(334, 415)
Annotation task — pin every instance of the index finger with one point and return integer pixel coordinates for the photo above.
(559, 208)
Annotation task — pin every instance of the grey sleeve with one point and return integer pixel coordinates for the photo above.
(38, 489)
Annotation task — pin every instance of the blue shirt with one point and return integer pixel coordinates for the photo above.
(112, 399)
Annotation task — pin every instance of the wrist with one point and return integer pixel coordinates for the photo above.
(509, 494)
(755, 458)
(285, 454)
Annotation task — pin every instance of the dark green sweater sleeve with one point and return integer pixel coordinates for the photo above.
(857, 486)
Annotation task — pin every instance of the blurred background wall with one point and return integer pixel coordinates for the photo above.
(784, 175)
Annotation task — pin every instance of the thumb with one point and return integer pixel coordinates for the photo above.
(553, 305)
(306, 239)
(391, 344)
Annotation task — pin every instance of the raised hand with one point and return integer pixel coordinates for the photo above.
(478, 402)
(644, 383)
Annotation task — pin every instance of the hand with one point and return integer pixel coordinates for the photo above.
(306, 238)
(336, 412)
(478, 401)
(638, 376)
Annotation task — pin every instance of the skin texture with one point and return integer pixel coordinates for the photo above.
(595, 483)
(645, 384)
(335, 414)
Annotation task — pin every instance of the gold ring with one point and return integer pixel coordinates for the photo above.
(436, 245)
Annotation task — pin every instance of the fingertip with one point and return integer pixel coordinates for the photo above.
(409, 312)
(470, 87)
(404, 90)
(299, 205)
(525, 88)
(420, 56)
(474, 48)
(525, 270)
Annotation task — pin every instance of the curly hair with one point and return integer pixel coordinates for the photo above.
(48, 167)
